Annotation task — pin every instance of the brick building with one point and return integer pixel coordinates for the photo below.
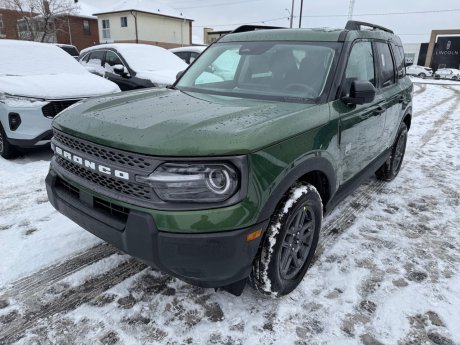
(79, 30)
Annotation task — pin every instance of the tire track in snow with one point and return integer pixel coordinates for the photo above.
(68, 300)
(50, 275)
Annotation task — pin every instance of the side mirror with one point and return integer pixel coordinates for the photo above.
(121, 70)
(361, 92)
(180, 74)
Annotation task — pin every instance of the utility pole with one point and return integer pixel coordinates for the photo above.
(351, 9)
(292, 13)
(301, 13)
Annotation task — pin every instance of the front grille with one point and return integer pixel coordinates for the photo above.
(129, 189)
(74, 191)
(115, 211)
(55, 107)
(109, 155)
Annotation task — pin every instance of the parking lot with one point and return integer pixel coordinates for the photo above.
(386, 271)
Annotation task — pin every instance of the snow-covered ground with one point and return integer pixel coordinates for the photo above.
(387, 271)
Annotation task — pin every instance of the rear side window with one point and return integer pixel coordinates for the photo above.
(113, 59)
(387, 68)
(400, 61)
(360, 65)
(96, 57)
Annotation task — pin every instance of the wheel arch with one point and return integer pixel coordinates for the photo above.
(317, 171)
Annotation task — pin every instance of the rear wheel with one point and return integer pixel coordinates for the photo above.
(290, 242)
(390, 169)
(7, 150)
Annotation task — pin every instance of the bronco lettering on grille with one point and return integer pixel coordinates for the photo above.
(102, 169)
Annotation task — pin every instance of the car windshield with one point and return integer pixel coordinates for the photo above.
(283, 71)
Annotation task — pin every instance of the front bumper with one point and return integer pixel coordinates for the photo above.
(35, 128)
(208, 260)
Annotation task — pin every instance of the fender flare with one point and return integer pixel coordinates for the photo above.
(320, 164)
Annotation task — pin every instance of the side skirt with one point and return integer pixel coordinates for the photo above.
(350, 186)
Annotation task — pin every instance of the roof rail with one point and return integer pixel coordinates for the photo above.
(355, 25)
(246, 28)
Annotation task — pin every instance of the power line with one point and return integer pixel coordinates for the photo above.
(332, 16)
(219, 5)
(247, 22)
(381, 14)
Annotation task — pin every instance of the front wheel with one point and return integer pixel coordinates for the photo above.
(422, 75)
(390, 169)
(290, 242)
(7, 150)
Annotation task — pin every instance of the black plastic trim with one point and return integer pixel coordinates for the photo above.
(351, 185)
(29, 143)
(313, 164)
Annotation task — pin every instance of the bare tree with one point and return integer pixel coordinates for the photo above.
(41, 19)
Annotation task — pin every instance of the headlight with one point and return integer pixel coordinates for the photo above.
(19, 101)
(194, 182)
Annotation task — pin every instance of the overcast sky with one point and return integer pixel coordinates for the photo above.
(412, 28)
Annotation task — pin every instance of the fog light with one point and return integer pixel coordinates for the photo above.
(14, 120)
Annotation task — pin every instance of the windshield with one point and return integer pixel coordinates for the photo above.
(267, 70)
(22, 59)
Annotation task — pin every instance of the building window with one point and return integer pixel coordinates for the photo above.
(124, 22)
(1, 26)
(86, 27)
(106, 29)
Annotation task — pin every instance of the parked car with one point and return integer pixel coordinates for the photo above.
(221, 181)
(37, 81)
(70, 49)
(188, 54)
(133, 66)
(447, 73)
(419, 71)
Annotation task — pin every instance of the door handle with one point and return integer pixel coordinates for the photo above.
(378, 111)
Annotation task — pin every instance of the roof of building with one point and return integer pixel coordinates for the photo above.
(146, 6)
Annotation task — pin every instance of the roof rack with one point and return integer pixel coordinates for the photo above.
(246, 28)
(355, 25)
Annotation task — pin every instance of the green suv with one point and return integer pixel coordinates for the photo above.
(224, 177)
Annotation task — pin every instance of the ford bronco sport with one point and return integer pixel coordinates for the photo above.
(224, 177)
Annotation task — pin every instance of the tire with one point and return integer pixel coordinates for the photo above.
(455, 78)
(290, 242)
(422, 75)
(7, 150)
(390, 169)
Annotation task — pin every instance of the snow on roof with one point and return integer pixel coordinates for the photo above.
(149, 6)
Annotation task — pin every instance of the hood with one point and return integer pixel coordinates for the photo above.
(57, 86)
(172, 123)
(165, 77)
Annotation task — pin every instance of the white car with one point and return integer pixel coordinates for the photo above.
(38, 81)
(133, 66)
(419, 71)
(447, 73)
(188, 54)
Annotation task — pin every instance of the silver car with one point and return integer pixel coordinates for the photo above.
(37, 82)
(419, 71)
